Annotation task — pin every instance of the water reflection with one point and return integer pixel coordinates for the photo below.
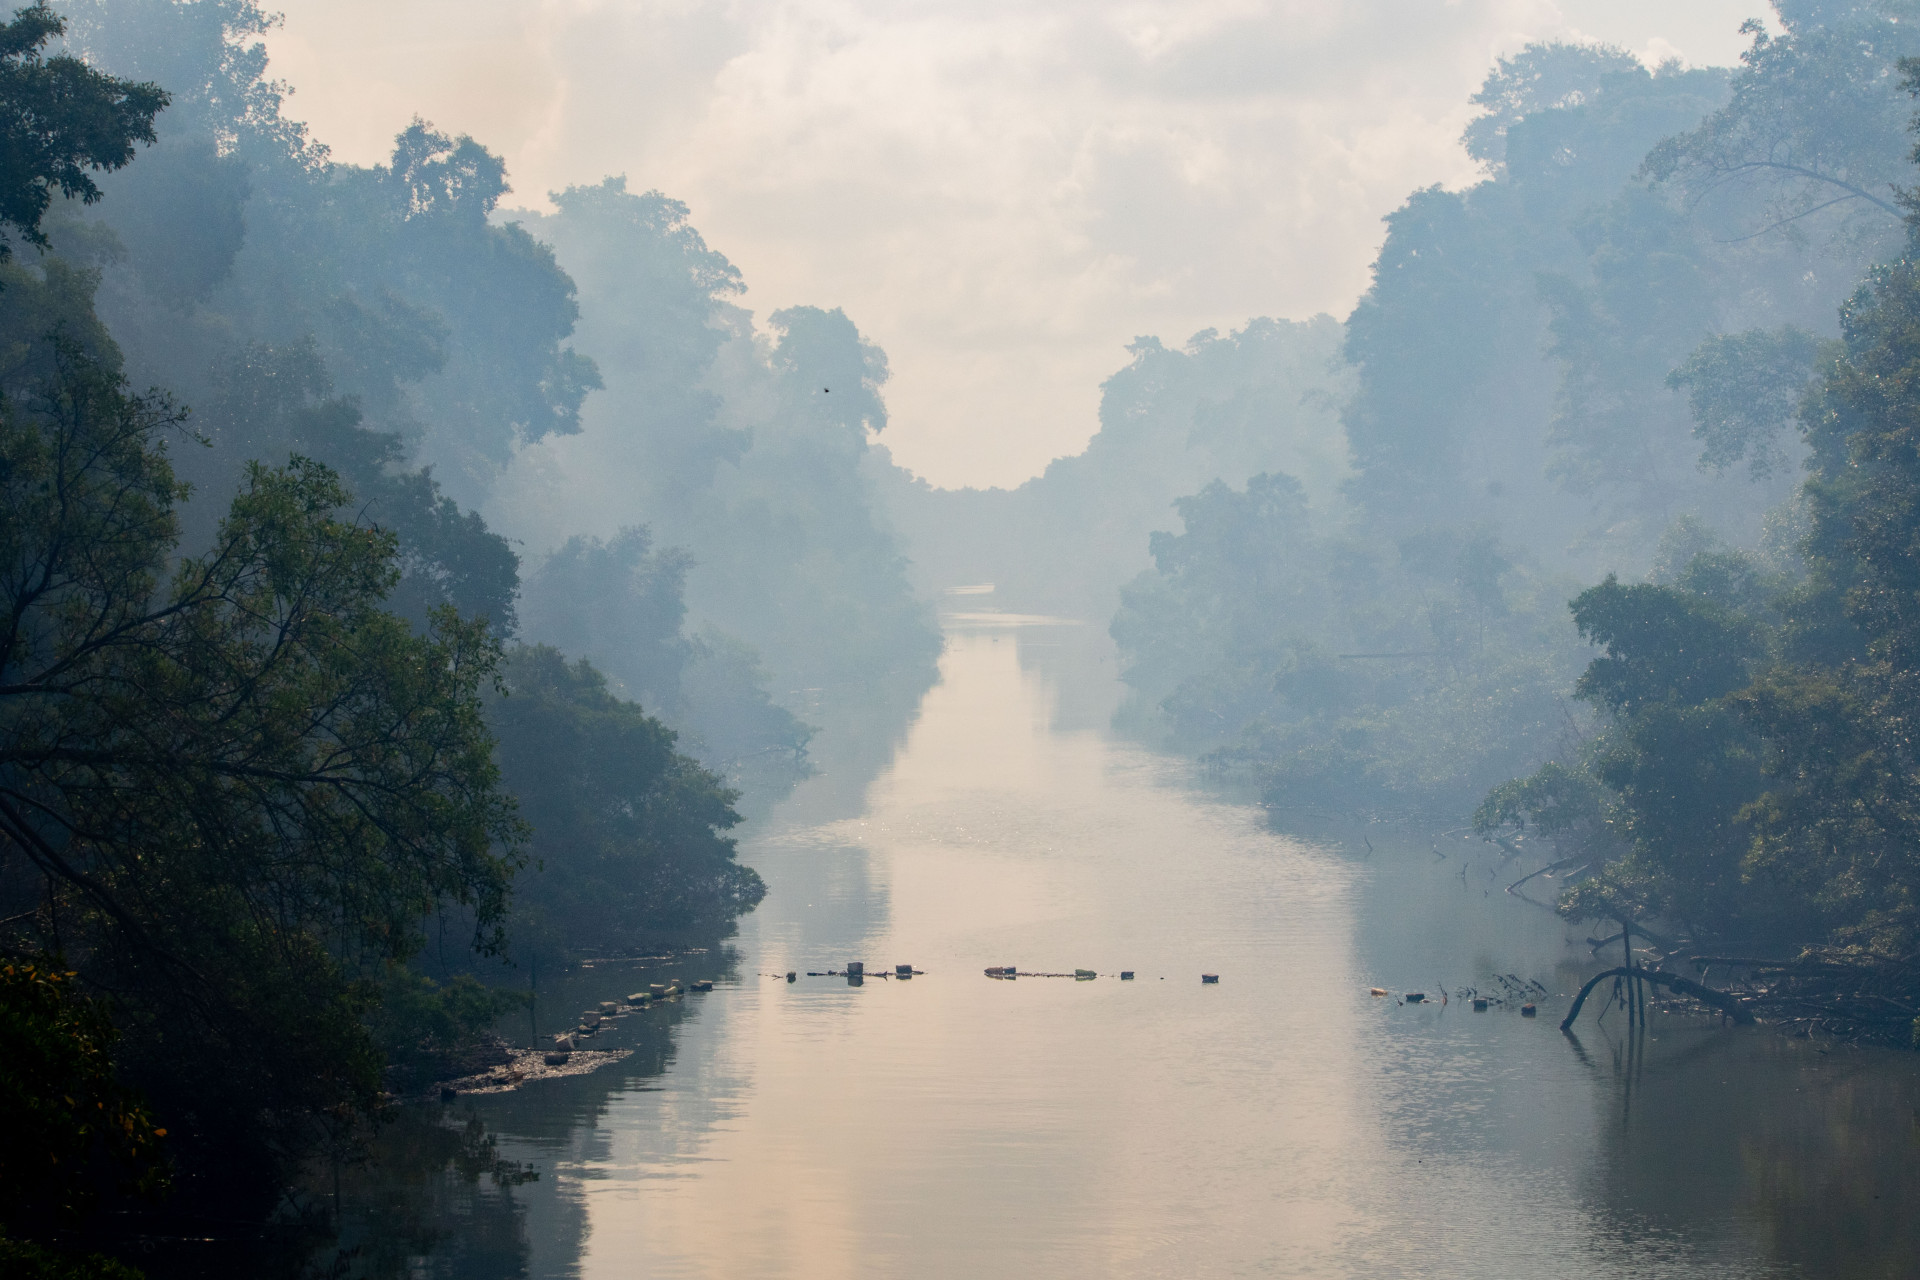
(1284, 1122)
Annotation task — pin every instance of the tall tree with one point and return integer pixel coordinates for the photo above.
(232, 785)
(60, 123)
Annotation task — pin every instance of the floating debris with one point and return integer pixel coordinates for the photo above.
(1001, 971)
(1210, 977)
(903, 971)
(1528, 1011)
(703, 984)
(1479, 1004)
(528, 1065)
(1415, 997)
(1126, 975)
(1376, 991)
(790, 975)
(856, 969)
(1084, 975)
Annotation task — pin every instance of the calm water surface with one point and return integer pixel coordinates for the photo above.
(1280, 1123)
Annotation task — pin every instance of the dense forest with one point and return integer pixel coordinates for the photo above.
(368, 581)
(387, 564)
(1653, 363)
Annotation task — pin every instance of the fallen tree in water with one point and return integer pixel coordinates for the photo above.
(1847, 994)
(1866, 998)
(1726, 1003)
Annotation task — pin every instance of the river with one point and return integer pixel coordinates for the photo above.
(1282, 1122)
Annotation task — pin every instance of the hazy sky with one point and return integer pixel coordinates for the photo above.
(1002, 193)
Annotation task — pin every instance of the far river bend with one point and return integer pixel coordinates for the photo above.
(1280, 1123)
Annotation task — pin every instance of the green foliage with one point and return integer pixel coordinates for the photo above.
(1757, 760)
(1541, 77)
(234, 783)
(1557, 801)
(1813, 133)
(26, 1261)
(74, 1129)
(1744, 391)
(622, 605)
(61, 121)
(1663, 645)
(1342, 671)
(1451, 392)
(626, 830)
(749, 451)
(277, 402)
(423, 1027)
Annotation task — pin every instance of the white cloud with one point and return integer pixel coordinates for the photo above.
(1001, 194)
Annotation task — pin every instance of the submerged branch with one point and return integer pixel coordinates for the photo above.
(1721, 1000)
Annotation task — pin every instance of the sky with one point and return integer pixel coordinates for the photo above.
(1001, 193)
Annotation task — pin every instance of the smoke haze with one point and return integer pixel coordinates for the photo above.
(1001, 195)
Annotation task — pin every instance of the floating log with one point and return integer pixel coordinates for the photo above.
(1725, 1003)
(1209, 977)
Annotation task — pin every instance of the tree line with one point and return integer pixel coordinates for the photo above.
(277, 703)
(1664, 346)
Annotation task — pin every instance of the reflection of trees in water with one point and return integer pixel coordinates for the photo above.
(435, 1199)
(468, 1191)
(1806, 1157)
(1833, 1179)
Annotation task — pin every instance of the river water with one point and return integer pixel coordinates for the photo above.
(1282, 1122)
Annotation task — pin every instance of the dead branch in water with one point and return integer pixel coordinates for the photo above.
(1550, 867)
(1730, 1005)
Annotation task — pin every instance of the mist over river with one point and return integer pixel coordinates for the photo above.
(1283, 1122)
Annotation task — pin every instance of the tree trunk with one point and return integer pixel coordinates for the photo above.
(1725, 1003)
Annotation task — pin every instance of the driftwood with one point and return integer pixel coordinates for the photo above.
(1730, 1005)
(1551, 866)
(1845, 994)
